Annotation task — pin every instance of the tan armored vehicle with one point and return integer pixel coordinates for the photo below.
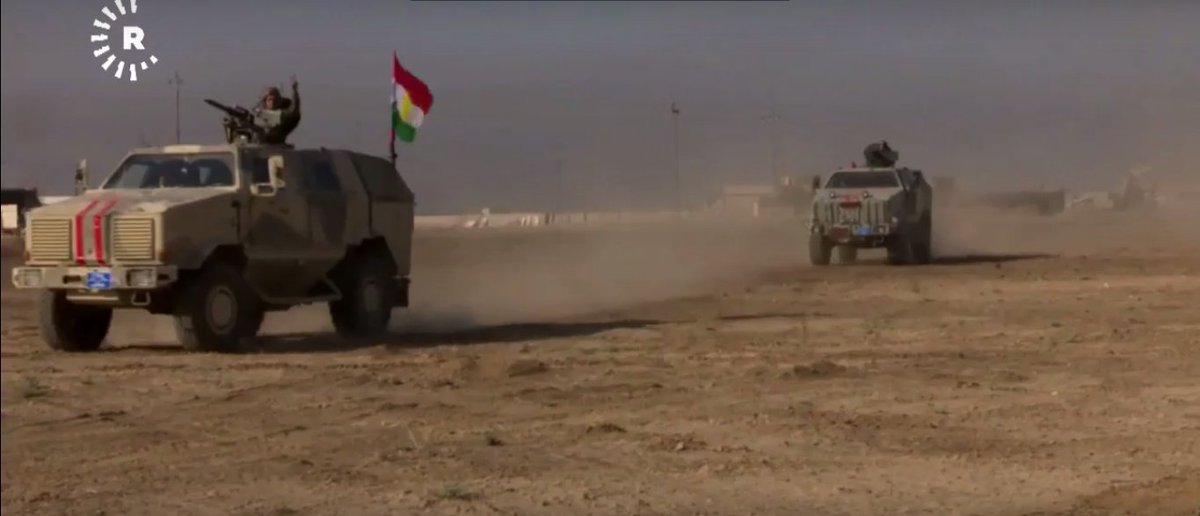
(216, 236)
(878, 205)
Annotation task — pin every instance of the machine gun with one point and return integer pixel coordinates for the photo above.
(238, 123)
(880, 155)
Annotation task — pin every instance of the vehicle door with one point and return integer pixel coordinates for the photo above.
(910, 192)
(277, 235)
(921, 193)
(327, 205)
(278, 215)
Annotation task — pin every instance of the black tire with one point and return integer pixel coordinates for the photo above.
(819, 250)
(368, 295)
(255, 324)
(899, 250)
(922, 251)
(66, 326)
(847, 254)
(216, 311)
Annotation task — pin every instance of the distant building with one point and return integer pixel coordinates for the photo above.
(15, 202)
(744, 199)
(758, 200)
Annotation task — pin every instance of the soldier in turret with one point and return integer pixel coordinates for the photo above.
(880, 154)
(277, 115)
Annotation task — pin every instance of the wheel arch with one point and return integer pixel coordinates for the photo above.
(232, 254)
(373, 246)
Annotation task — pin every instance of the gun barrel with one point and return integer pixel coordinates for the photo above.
(237, 112)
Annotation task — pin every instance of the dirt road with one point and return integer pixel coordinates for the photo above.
(1035, 369)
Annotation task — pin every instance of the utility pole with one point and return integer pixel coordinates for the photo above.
(177, 81)
(772, 119)
(675, 133)
(558, 170)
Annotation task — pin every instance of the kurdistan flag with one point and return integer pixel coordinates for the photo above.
(411, 101)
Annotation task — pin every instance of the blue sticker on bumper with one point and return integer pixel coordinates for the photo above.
(99, 280)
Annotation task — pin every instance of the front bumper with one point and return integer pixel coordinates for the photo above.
(95, 279)
(870, 236)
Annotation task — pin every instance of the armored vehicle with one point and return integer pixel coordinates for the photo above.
(217, 235)
(877, 205)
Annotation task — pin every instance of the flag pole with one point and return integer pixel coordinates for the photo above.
(391, 114)
(392, 149)
(675, 137)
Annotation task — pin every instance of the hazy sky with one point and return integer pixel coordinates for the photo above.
(1002, 94)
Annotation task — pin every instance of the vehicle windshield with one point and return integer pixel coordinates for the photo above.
(198, 170)
(863, 180)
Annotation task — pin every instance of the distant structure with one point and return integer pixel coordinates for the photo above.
(15, 202)
(1138, 191)
(757, 200)
(1042, 202)
(743, 199)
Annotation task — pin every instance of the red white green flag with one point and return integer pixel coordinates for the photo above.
(411, 101)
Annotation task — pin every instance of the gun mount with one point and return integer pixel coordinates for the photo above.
(880, 155)
(239, 123)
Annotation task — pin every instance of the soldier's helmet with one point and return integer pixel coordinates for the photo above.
(270, 92)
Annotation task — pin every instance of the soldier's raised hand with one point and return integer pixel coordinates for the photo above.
(295, 85)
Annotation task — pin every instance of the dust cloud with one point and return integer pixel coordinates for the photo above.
(985, 231)
(462, 280)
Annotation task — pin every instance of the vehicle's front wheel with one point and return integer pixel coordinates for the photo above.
(216, 311)
(66, 326)
(819, 250)
(368, 294)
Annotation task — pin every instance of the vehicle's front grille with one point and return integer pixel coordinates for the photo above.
(133, 239)
(870, 212)
(49, 240)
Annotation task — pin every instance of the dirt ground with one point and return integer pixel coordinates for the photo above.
(1041, 366)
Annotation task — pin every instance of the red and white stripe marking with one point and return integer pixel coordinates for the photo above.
(92, 249)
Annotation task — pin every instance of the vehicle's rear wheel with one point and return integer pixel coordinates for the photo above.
(819, 250)
(216, 311)
(913, 246)
(899, 249)
(922, 252)
(847, 254)
(368, 294)
(66, 326)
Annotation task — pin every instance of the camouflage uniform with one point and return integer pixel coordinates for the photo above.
(277, 124)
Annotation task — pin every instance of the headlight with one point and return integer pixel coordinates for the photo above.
(142, 278)
(29, 278)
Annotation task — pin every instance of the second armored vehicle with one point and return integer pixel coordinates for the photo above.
(877, 205)
(217, 235)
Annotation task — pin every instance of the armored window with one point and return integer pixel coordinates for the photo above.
(322, 178)
(213, 172)
(173, 171)
(132, 175)
(260, 172)
(863, 180)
